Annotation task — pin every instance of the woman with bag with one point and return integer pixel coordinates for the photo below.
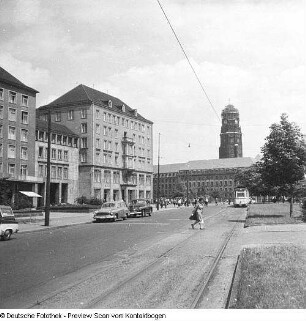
(198, 214)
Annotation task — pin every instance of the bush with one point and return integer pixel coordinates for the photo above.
(21, 202)
(90, 201)
(304, 209)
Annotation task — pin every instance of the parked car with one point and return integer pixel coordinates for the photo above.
(111, 211)
(8, 223)
(140, 207)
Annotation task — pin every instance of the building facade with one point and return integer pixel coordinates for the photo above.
(64, 170)
(116, 143)
(231, 136)
(17, 133)
(203, 177)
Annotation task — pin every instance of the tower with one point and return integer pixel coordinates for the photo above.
(231, 136)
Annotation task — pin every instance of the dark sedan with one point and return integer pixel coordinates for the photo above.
(140, 207)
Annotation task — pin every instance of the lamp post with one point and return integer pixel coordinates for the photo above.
(47, 204)
(157, 203)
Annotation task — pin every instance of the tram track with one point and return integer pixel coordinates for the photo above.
(158, 261)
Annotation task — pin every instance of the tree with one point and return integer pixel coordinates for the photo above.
(284, 157)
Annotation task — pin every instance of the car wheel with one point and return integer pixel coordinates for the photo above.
(124, 217)
(115, 218)
(7, 235)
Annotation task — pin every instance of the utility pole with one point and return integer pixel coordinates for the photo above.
(47, 203)
(157, 203)
(188, 187)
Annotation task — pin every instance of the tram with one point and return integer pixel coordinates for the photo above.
(242, 197)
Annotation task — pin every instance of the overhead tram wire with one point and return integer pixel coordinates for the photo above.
(193, 70)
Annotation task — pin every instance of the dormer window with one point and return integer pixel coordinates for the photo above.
(135, 112)
(110, 104)
(123, 108)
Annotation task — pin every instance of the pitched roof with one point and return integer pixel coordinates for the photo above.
(85, 95)
(207, 164)
(55, 128)
(9, 79)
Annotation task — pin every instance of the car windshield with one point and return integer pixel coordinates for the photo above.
(108, 205)
(6, 211)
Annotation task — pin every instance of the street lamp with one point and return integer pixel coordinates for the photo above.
(157, 202)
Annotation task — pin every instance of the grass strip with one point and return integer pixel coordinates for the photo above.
(272, 277)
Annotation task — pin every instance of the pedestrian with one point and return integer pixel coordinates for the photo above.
(216, 201)
(198, 214)
(206, 201)
(179, 203)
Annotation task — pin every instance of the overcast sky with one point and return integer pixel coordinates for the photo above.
(251, 52)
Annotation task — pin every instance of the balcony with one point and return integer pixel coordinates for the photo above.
(127, 140)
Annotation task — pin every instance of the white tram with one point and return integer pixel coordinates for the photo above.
(242, 197)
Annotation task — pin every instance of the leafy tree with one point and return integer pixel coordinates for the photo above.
(215, 194)
(6, 192)
(284, 158)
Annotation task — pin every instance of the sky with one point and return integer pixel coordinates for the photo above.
(250, 53)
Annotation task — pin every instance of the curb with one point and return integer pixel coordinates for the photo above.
(233, 291)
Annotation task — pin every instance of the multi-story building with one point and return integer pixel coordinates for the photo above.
(231, 136)
(64, 169)
(116, 143)
(17, 133)
(202, 176)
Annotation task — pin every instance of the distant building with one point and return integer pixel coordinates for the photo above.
(64, 178)
(231, 136)
(17, 133)
(116, 143)
(203, 177)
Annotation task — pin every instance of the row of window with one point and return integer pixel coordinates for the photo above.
(13, 115)
(56, 172)
(57, 139)
(12, 97)
(107, 117)
(12, 133)
(56, 154)
(11, 152)
(12, 169)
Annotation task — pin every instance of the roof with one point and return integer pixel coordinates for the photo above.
(230, 109)
(9, 79)
(82, 95)
(207, 164)
(56, 128)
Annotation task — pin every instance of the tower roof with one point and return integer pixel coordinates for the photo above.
(230, 109)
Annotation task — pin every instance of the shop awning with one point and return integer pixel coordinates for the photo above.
(30, 194)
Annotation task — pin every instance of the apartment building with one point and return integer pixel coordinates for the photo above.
(64, 170)
(115, 147)
(17, 133)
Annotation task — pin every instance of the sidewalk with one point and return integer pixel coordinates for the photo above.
(63, 219)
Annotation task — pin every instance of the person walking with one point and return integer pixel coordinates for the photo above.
(198, 214)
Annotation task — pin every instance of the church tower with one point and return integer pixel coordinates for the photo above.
(231, 136)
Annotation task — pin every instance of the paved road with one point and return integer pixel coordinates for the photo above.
(35, 259)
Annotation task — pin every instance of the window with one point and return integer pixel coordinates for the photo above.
(41, 136)
(12, 97)
(69, 141)
(1, 150)
(123, 108)
(12, 114)
(148, 180)
(70, 115)
(58, 116)
(40, 152)
(83, 113)
(23, 135)
(84, 128)
(11, 132)
(1, 112)
(59, 154)
(110, 104)
(11, 153)
(97, 176)
(59, 172)
(116, 177)
(98, 129)
(65, 173)
(23, 170)
(116, 147)
(24, 153)
(53, 153)
(107, 176)
(1, 131)
(75, 142)
(24, 100)
(40, 170)
(83, 157)
(24, 117)
(53, 171)
(66, 155)
(65, 140)
(116, 133)
(97, 114)
(98, 143)
(53, 138)
(1, 93)
(116, 160)
(105, 131)
(59, 139)
(11, 169)
(104, 116)
(83, 142)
